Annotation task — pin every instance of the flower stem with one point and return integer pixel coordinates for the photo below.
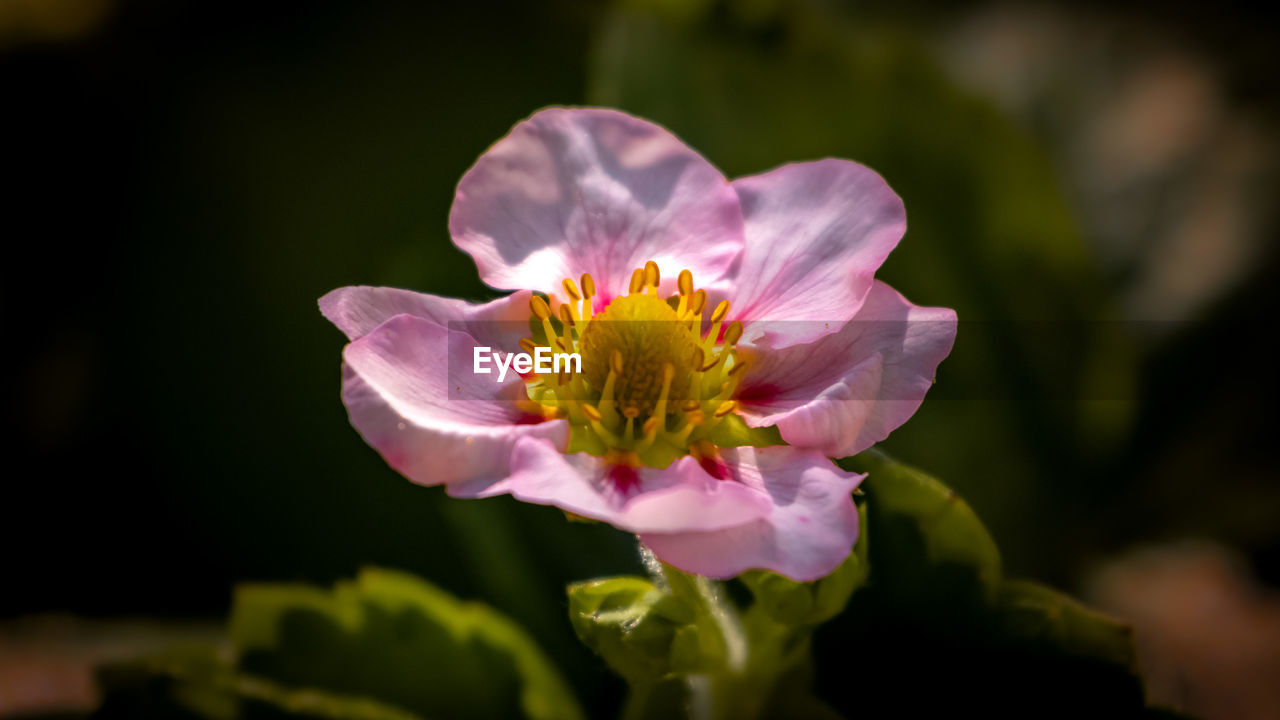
(707, 691)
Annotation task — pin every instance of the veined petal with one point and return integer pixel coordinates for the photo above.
(810, 529)
(683, 497)
(410, 391)
(847, 391)
(574, 190)
(815, 234)
(358, 309)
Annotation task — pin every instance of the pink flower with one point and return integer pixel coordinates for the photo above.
(612, 219)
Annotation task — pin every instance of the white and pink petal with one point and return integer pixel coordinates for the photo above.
(358, 309)
(411, 393)
(815, 234)
(847, 391)
(809, 530)
(578, 190)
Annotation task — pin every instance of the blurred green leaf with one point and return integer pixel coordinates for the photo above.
(926, 535)
(387, 646)
(394, 637)
(1047, 618)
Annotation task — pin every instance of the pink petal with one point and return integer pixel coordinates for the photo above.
(574, 190)
(680, 498)
(815, 234)
(809, 531)
(848, 391)
(410, 391)
(358, 309)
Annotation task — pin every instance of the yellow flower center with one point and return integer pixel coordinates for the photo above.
(654, 386)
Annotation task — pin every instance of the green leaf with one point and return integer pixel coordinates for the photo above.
(397, 639)
(1053, 621)
(926, 537)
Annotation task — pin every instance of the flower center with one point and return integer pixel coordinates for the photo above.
(654, 386)
(649, 336)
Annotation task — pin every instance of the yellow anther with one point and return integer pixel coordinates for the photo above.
(726, 407)
(591, 412)
(685, 282)
(588, 285)
(631, 413)
(571, 290)
(698, 302)
(733, 333)
(615, 361)
(637, 281)
(566, 316)
(652, 277)
(721, 310)
(539, 308)
(699, 356)
(738, 368)
(651, 426)
(690, 405)
(528, 345)
(712, 363)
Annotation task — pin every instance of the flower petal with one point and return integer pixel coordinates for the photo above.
(574, 190)
(683, 497)
(410, 391)
(358, 309)
(848, 391)
(815, 234)
(810, 529)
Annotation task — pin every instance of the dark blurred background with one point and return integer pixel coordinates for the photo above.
(1093, 187)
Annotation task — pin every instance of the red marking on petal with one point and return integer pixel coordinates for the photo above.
(759, 393)
(715, 467)
(624, 478)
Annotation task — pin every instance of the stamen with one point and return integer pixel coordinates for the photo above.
(606, 396)
(588, 292)
(571, 290)
(528, 345)
(541, 311)
(699, 300)
(732, 334)
(652, 277)
(721, 310)
(726, 407)
(637, 281)
(660, 409)
(629, 434)
(596, 420)
(717, 315)
(685, 282)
